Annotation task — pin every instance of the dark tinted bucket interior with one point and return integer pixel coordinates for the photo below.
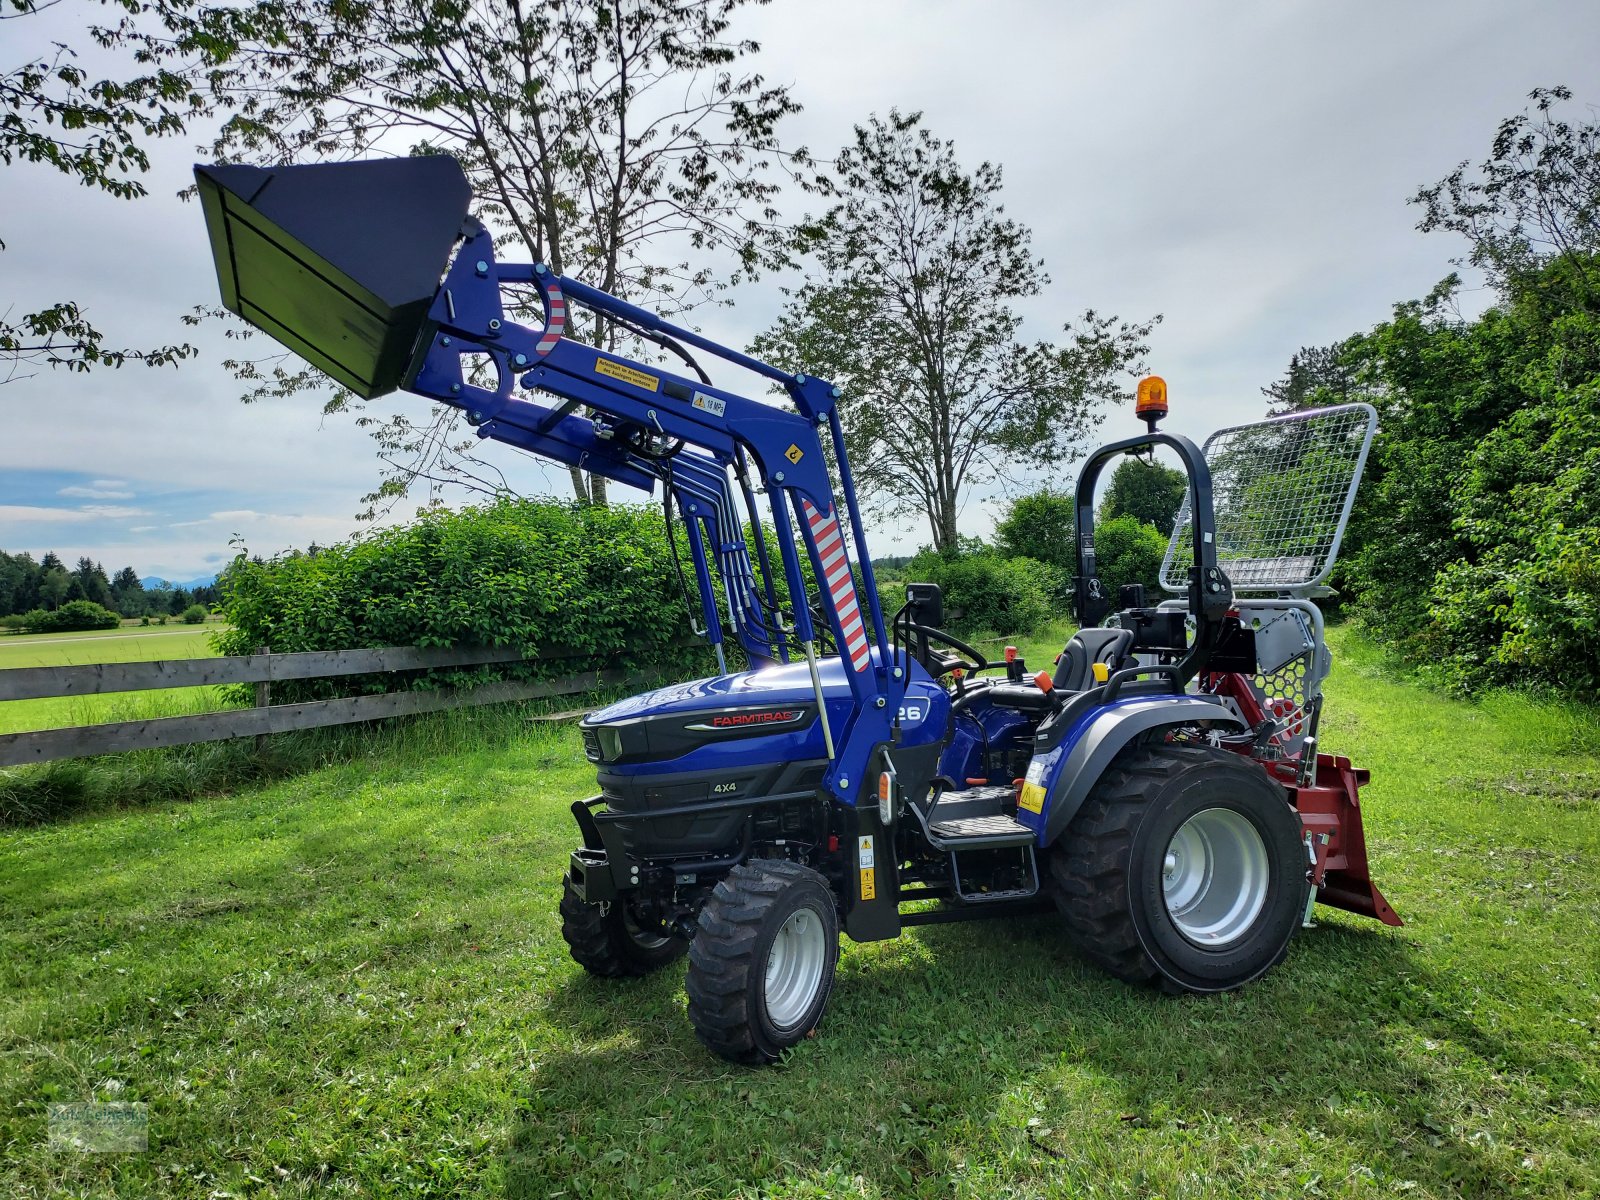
(339, 262)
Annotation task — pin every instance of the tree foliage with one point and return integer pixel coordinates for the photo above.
(1128, 550)
(630, 145)
(1475, 544)
(1146, 491)
(908, 309)
(1533, 202)
(54, 112)
(986, 592)
(1041, 525)
(71, 617)
(46, 585)
(598, 582)
(1317, 376)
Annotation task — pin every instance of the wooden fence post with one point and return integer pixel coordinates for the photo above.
(263, 700)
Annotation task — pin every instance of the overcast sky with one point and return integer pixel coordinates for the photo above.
(1240, 168)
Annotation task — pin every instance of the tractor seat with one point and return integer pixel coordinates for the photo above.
(1075, 667)
(1074, 671)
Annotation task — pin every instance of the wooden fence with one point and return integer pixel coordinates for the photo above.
(263, 670)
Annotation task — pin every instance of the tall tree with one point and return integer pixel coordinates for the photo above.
(1040, 525)
(54, 112)
(1317, 375)
(53, 583)
(90, 577)
(908, 309)
(1146, 491)
(628, 144)
(127, 593)
(1534, 201)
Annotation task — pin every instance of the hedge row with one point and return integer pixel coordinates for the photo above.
(598, 582)
(73, 616)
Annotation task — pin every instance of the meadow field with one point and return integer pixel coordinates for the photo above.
(130, 643)
(351, 982)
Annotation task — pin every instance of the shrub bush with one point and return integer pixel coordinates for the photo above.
(73, 616)
(1129, 551)
(195, 614)
(598, 582)
(986, 592)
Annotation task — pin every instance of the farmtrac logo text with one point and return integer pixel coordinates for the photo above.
(734, 720)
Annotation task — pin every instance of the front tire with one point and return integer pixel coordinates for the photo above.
(761, 966)
(1185, 866)
(605, 940)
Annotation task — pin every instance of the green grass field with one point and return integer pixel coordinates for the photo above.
(352, 983)
(131, 643)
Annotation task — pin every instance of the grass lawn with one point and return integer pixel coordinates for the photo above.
(352, 983)
(131, 643)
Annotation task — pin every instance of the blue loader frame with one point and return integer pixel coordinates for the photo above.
(468, 318)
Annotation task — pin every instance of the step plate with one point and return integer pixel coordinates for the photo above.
(996, 830)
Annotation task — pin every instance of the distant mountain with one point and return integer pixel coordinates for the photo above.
(155, 581)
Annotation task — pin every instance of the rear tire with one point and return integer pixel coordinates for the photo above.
(761, 966)
(1185, 866)
(605, 940)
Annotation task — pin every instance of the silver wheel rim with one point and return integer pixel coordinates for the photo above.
(1214, 877)
(794, 968)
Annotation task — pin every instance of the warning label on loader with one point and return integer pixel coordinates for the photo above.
(867, 859)
(643, 379)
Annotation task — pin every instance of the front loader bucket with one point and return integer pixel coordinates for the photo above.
(337, 261)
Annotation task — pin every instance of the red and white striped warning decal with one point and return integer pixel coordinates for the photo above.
(555, 318)
(829, 541)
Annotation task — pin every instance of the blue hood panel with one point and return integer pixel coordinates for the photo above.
(924, 714)
(788, 684)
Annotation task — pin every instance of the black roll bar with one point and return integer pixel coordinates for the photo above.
(1210, 592)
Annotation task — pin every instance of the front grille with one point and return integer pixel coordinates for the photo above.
(591, 745)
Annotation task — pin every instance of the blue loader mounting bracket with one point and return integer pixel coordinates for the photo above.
(285, 236)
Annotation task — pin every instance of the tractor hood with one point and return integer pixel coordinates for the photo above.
(776, 702)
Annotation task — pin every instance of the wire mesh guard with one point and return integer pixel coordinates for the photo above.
(1282, 696)
(1282, 491)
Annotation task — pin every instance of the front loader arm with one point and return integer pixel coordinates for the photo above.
(631, 422)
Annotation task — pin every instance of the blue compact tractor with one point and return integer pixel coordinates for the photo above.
(1159, 784)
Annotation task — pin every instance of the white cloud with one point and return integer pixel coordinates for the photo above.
(1241, 168)
(113, 512)
(142, 528)
(99, 489)
(33, 512)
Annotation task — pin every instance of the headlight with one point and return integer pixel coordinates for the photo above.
(610, 740)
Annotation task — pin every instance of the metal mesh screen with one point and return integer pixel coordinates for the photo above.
(1282, 491)
(1282, 694)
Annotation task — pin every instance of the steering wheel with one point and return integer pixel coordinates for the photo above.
(975, 660)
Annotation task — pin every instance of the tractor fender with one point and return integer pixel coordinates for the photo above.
(1067, 772)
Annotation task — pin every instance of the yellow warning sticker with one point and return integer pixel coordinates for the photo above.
(1032, 798)
(794, 454)
(869, 884)
(643, 379)
(867, 860)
